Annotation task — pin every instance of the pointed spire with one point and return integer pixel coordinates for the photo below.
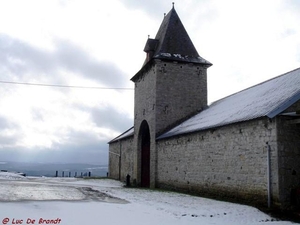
(174, 43)
(171, 43)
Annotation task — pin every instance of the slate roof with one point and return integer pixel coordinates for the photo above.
(126, 134)
(173, 43)
(269, 98)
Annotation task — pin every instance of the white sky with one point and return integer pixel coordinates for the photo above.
(100, 43)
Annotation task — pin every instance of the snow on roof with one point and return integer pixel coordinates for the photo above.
(180, 57)
(265, 99)
(126, 134)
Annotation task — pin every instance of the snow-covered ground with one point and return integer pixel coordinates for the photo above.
(71, 201)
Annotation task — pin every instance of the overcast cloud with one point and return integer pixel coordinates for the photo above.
(100, 44)
(21, 59)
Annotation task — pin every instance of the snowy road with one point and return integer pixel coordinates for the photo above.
(71, 201)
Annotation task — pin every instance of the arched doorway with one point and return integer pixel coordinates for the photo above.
(145, 154)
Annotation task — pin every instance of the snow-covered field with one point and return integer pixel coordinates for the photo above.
(71, 201)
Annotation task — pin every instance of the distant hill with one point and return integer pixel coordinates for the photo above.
(49, 169)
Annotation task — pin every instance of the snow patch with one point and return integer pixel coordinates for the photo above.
(143, 206)
(11, 176)
(166, 54)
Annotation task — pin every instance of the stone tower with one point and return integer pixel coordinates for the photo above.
(170, 87)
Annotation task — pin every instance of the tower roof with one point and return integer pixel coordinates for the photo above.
(173, 42)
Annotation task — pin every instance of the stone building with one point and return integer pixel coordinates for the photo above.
(245, 146)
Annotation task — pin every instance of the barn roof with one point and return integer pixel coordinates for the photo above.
(269, 98)
(126, 134)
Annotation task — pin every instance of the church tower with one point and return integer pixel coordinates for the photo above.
(170, 87)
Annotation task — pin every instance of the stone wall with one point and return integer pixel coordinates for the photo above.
(165, 94)
(169, 92)
(182, 91)
(144, 110)
(229, 161)
(119, 167)
(289, 159)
